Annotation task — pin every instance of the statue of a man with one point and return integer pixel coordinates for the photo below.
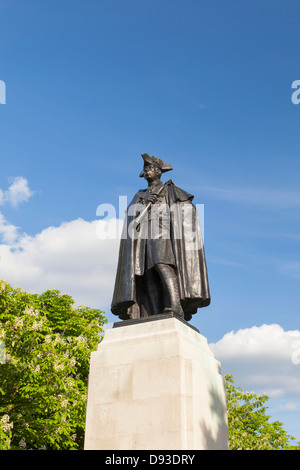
(161, 265)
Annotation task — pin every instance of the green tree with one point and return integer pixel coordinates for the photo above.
(248, 424)
(43, 379)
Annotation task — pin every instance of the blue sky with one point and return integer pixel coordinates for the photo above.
(204, 85)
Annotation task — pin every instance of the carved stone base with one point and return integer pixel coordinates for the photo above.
(155, 385)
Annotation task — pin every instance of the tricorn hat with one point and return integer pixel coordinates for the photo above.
(151, 160)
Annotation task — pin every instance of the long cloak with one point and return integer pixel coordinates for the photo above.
(188, 250)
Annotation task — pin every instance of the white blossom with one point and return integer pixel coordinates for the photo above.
(29, 311)
(22, 443)
(37, 325)
(70, 382)
(19, 322)
(80, 339)
(72, 362)
(6, 425)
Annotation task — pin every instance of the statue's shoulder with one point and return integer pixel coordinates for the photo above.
(138, 196)
(178, 194)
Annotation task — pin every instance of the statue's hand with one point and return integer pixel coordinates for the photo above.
(152, 198)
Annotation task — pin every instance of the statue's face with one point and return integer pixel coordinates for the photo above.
(150, 173)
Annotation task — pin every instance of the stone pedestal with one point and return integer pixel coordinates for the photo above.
(155, 385)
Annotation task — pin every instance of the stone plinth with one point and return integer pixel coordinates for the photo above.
(155, 385)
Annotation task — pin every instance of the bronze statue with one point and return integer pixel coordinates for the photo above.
(161, 265)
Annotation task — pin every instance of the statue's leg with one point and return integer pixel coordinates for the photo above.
(170, 283)
(154, 292)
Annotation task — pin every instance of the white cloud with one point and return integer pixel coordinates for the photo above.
(17, 192)
(70, 258)
(9, 232)
(288, 406)
(263, 359)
